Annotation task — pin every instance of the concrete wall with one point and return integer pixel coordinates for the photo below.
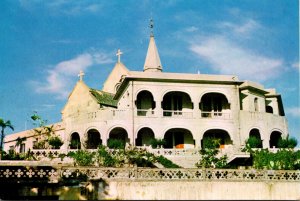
(194, 190)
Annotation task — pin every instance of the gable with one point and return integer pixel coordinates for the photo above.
(115, 78)
(80, 100)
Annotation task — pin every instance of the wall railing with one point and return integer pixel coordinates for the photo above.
(53, 174)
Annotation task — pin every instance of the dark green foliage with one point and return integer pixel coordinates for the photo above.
(281, 160)
(209, 153)
(209, 159)
(211, 143)
(253, 142)
(166, 162)
(4, 125)
(104, 158)
(12, 155)
(75, 144)
(139, 157)
(287, 143)
(157, 143)
(82, 157)
(46, 134)
(119, 158)
(115, 144)
(41, 144)
(55, 142)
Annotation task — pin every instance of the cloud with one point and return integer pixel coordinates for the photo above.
(226, 57)
(296, 65)
(293, 111)
(191, 29)
(59, 79)
(68, 7)
(244, 29)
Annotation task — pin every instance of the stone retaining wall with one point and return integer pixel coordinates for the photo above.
(202, 190)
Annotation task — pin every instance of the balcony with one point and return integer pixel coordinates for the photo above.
(178, 113)
(145, 112)
(216, 115)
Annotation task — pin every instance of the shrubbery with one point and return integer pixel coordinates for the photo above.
(132, 156)
(157, 143)
(55, 142)
(115, 144)
(253, 142)
(209, 153)
(281, 160)
(287, 143)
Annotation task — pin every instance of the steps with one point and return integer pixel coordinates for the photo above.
(184, 161)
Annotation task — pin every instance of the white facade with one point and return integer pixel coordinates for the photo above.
(137, 106)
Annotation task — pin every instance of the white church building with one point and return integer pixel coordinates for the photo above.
(182, 109)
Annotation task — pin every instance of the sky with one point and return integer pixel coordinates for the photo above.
(44, 44)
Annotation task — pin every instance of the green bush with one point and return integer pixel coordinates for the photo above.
(211, 143)
(104, 158)
(166, 162)
(281, 160)
(157, 143)
(287, 143)
(55, 142)
(82, 157)
(75, 144)
(253, 142)
(116, 144)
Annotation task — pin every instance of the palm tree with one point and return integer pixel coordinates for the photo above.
(3, 125)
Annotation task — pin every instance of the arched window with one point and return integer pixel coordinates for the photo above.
(255, 104)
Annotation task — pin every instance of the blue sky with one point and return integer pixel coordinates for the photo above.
(44, 44)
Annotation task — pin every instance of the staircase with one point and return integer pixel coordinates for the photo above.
(185, 161)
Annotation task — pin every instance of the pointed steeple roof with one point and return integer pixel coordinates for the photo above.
(152, 62)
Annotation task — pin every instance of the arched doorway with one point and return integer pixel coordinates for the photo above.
(145, 103)
(179, 138)
(255, 134)
(75, 141)
(118, 134)
(218, 134)
(93, 139)
(144, 137)
(274, 139)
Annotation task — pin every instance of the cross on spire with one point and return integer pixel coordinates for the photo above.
(119, 53)
(151, 26)
(80, 75)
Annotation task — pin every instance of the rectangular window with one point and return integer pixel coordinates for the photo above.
(22, 148)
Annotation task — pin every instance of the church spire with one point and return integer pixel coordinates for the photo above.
(152, 62)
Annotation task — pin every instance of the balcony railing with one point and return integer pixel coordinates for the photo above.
(178, 113)
(215, 115)
(145, 113)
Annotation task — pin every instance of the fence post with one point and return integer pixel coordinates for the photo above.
(135, 171)
(204, 173)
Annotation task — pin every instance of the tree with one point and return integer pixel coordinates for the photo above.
(209, 154)
(19, 141)
(287, 143)
(4, 125)
(46, 134)
(253, 142)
